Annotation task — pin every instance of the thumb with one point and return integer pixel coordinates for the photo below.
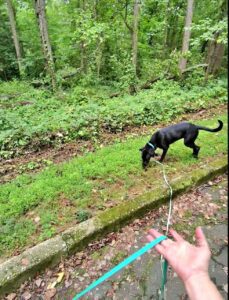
(200, 238)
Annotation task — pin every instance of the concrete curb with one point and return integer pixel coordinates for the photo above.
(17, 269)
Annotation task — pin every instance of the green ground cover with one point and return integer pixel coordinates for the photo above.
(35, 207)
(52, 119)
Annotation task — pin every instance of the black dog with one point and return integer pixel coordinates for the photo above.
(166, 136)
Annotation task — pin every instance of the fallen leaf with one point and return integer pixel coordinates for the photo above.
(50, 294)
(49, 273)
(80, 278)
(78, 262)
(67, 283)
(59, 134)
(11, 296)
(38, 282)
(37, 219)
(67, 275)
(112, 243)
(60, 277)
(51, 285)
(26, 296)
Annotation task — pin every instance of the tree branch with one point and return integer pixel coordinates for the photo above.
(124, 17)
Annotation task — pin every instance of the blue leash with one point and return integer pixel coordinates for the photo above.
(120, 266)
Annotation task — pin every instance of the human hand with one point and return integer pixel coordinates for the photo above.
(186, 260)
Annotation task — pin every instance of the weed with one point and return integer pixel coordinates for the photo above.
(82, 215)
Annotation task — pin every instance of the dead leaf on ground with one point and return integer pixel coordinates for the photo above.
(50, 294)
(112, 243)
(51, 285)
(11, 296)
(67, 283)
(26, 296)
(60, 277)
(38, 282)
(37, 219)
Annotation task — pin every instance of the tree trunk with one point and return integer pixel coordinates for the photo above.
(135, 35)
(214, 56)
(83, 50)
(187, 34)
(46, 46)
(166, 28)
(15, 35)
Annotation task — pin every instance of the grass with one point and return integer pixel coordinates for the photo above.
(35, 207)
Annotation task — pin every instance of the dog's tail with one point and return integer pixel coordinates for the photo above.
(212, 130)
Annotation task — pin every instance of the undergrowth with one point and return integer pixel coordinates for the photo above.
(49, 120)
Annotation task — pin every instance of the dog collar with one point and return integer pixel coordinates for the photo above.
(151, 145)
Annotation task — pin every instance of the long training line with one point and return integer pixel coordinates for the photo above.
(170, 195)
(164, 264)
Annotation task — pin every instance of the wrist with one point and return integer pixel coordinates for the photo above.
(196, 278)
(199, 286)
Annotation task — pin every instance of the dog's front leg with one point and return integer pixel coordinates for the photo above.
(163, 154)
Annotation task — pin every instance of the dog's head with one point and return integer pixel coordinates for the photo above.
(147, 152)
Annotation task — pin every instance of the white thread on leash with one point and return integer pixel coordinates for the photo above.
(170, 195)
(168, 219)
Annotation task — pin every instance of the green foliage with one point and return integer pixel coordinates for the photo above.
(206, 30)
(82, 215)
(15, 88)
(92, 38)
(83, 114)
(104, 172)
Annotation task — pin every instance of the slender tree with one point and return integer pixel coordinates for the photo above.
(13, 26)
(133, 29)
(166, 27)
(135, 34)
(187, 35)
(83, 60)
(46, 46)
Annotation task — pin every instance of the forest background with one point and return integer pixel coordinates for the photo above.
(69, 68)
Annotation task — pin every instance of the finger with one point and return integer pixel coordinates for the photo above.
(176, 236)
(158, 247)
(200, 238)
(154, 233)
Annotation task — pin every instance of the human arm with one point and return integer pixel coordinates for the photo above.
(190, 263)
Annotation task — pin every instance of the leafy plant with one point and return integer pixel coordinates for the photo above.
(82, 215)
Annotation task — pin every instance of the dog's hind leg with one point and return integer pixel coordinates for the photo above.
(191, 144)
